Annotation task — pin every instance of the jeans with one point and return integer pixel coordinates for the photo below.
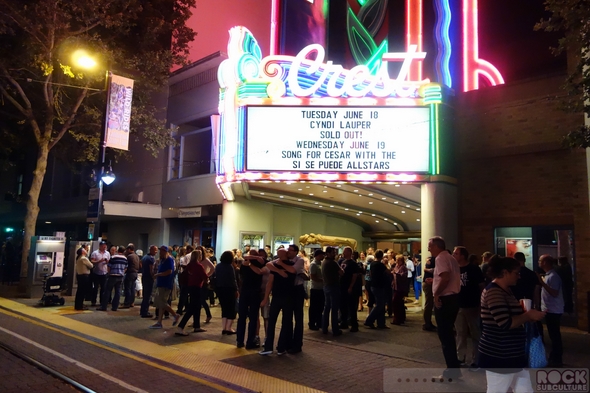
(183, 298)
(248, 308)
(417, 289)
(129, 285)
(331, 303)
(112, 282)
(193, 308)
(445, 320)
(553, 322)
(299, 300)
(99, 282)
(204, 296)
(349, 309)
(370, 294)
(316, 306)
(83, 284)
(148, 286)
(378, 312)
(278, 304)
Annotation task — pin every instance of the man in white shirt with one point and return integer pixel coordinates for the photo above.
(552, 303)
(446, 287)
(99, 259)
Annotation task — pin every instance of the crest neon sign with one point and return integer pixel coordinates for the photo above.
(308, 76)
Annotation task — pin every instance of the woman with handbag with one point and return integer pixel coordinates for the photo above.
(502, 346)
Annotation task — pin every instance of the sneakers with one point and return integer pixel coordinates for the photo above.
(265, 352)
(180, 332)
(474, 367)
(281, 352)
(176, 319)
(156, 325)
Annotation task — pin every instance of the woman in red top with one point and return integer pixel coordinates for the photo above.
(196, 278)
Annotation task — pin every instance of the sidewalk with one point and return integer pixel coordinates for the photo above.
(351, 362)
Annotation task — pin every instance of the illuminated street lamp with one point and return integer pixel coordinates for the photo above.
(83, 60)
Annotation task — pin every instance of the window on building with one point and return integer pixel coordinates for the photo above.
(192, 155)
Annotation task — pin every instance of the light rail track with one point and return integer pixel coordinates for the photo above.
(46, 369)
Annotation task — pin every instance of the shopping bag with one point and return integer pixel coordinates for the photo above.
(534, 346)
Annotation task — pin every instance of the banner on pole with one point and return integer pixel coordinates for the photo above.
(119, 112)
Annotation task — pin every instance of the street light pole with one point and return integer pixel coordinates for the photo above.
(103, 152)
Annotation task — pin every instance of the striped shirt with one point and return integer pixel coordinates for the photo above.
(500, 346)
(117, 265)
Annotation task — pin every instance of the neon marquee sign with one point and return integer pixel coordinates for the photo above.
(307, 76)
(246, 79)
(364, 26)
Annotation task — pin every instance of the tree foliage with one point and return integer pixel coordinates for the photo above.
(51, 104)
(572, 18)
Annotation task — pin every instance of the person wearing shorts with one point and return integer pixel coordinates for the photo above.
(164, 285)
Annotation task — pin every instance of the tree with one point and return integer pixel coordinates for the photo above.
(62, 106)
(572, 18)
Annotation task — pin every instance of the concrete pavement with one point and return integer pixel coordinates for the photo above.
(348, 363)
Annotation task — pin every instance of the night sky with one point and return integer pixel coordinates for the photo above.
(507, 38)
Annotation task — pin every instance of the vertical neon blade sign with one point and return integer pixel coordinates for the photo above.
(414, 35)
(473, 66)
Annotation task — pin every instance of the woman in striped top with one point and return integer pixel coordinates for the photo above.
(503, 338)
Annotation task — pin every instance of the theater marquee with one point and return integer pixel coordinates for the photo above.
(303, 118)
(338, 139)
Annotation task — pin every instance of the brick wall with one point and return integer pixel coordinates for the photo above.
(512, 170)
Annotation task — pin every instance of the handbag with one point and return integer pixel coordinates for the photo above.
(534, 346)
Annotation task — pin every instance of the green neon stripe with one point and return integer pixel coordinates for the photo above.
(432, 149)
(437, 139)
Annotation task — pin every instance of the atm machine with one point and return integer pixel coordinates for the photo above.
(46, 259)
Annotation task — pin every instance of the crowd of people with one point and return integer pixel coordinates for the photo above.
(473, 301)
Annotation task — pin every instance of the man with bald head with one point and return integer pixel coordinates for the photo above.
(446, 286)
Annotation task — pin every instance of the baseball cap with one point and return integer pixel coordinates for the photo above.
(318, 253)
(102, 242)
(165, 248)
